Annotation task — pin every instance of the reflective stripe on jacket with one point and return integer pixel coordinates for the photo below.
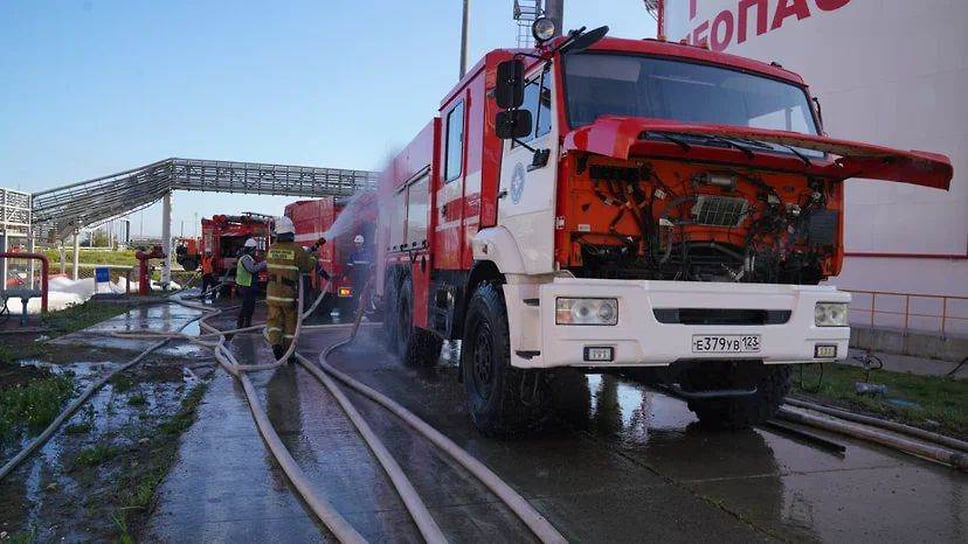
(286, 262)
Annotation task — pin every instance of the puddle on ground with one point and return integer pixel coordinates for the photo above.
(58, 497)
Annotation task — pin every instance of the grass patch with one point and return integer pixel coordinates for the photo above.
(22, 537)
(137, 400)
(80, 316)
(121, 382)
(34, 405)
(125, 257)
(120, 520)
(79, 428)
(942, 402)
(138, 485)
(7, 355)
(181, 421)
(95, 455)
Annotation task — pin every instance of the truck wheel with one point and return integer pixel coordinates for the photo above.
(503, 401)
(325, 307)
(772, 385)
(404, 318)
(188, 263)
(423, 349)
(390, 321)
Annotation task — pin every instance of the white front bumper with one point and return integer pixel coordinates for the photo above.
(639, 339)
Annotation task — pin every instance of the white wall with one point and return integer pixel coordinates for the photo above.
(889, 72)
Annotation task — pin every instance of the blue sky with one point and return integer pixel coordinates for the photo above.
(91, 87)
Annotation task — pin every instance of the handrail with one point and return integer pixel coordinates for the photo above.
(44, 272)
(944, 316)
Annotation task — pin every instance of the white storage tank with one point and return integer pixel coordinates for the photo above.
(889, 72)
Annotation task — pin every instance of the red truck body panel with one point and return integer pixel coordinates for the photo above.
(225, 235)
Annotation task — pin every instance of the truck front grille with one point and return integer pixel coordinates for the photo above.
(716, 316)
(719, 211)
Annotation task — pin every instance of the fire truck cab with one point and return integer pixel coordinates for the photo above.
(633, 205)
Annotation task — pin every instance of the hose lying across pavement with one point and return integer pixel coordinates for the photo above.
(321, 508)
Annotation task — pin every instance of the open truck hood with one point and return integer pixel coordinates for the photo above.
(623, 137)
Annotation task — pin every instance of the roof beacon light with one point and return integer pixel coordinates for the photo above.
(543, 29)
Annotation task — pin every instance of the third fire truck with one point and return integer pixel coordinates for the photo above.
(314, 219)
(633, 205)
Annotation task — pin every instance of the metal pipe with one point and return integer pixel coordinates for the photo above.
(946, 441)
(77, 253)
(932, 452)
(166, 240)
(555, 10)
(463, 38)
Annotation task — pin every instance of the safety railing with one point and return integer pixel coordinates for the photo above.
(44, 273)
(940, 314)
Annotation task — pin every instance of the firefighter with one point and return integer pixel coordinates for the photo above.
(286, 262)
(208, 274)
(359, 267)
(245, 272)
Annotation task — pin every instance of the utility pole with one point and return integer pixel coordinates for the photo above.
(463, 38)
(555, 10)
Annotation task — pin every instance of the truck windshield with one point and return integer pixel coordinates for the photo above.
(599, 84)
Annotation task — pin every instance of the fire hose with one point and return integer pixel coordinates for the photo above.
(321, 508)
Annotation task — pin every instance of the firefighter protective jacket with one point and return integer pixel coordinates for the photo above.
(286, 262)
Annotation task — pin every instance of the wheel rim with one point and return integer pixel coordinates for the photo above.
(483, 360)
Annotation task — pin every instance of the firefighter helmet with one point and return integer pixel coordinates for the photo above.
(284, 226)
(251, 244)
(359, 239)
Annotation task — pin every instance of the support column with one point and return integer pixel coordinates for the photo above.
(77, 253)
(465, 15)
(4, 240)
(63, 256)
(31, 248)
(166, 240)
(555, 10)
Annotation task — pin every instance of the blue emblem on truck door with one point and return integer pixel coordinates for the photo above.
(517, 183)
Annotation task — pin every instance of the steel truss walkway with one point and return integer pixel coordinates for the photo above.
(63, 210)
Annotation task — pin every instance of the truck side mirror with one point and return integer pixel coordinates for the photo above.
(509, 92)
(511, 124)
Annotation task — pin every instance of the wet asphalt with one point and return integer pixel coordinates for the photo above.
(622, 463)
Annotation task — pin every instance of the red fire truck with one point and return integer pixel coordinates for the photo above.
(634, 205)
(187, 253)
(225, 235)
(312, 219)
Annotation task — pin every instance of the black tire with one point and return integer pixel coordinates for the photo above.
(188, 263)
(403, 318)
(772, 385)
(325, 307)
(423, 350)
(503, 401)
(390, 323)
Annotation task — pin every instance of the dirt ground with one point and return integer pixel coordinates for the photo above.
(95, 480)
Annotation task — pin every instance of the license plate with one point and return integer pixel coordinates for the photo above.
(726, 343)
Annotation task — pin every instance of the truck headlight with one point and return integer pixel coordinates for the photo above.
(586, 311)
(830, 314)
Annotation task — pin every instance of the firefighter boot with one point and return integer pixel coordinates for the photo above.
(278, 351)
